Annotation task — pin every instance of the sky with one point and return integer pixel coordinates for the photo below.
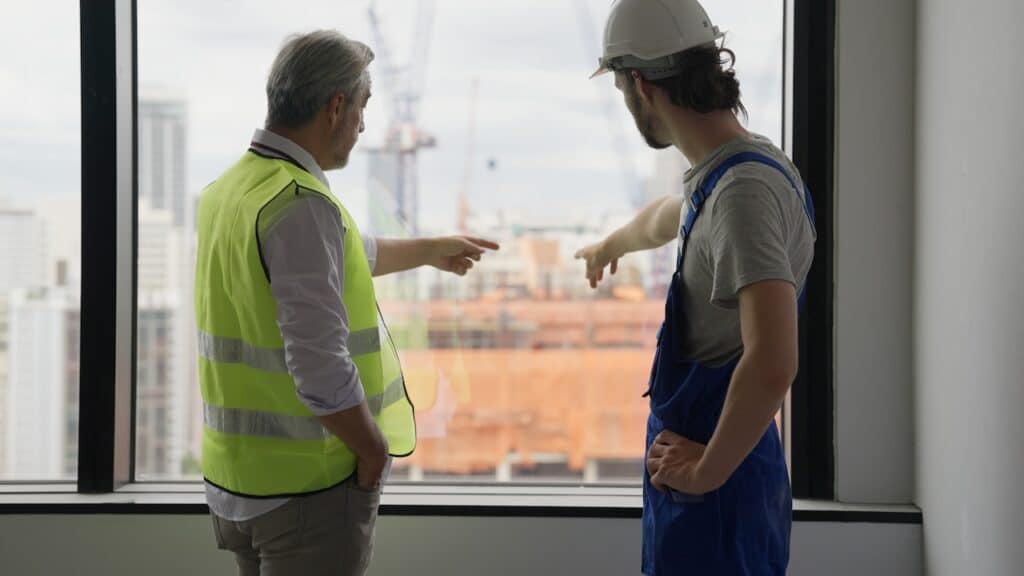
(540, 122)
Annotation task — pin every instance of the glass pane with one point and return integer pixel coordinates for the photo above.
(520, 372)
(40, 246)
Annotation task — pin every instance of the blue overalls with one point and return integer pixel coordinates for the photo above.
(743, 527)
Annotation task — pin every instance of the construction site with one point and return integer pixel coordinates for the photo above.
(519, 372)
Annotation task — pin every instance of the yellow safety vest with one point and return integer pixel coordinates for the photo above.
(258, 438)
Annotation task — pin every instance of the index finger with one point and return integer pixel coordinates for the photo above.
(483, 243)
(470, 248)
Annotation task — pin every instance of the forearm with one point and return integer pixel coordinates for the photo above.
(654, 226)
(305, 258)
(399, 255)
(358, 430)
(756, 392)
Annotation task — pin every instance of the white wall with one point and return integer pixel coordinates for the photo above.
(184, 544)
(969, 296)
(874, 186)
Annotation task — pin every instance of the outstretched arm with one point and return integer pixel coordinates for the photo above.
(656, 225)
(455, 254)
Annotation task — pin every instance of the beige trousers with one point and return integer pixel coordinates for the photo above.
(328, 534)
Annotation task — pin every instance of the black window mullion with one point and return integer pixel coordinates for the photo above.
(104, 405)
(812, 404)
(99, 245)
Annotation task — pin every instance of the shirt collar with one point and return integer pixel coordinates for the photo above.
(270, 144)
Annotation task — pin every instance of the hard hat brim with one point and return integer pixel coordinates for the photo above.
(600, 72)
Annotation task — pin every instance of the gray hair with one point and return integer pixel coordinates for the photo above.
(309, 70)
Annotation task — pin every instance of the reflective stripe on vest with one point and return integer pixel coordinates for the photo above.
(235, 351)
(256, 423)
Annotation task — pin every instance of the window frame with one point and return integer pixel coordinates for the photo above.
(108, 383)
(811, 414)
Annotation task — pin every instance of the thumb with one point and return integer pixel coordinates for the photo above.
(657, 481)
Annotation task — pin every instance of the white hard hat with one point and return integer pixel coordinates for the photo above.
(648, 34)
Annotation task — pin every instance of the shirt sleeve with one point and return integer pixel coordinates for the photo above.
(748, 241)
(304, 254)
(370, 247)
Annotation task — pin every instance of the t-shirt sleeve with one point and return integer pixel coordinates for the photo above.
(747, 241)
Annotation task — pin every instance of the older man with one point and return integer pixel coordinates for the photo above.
(304, 401)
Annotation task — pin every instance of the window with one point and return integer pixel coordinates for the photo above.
(40, 212)
(520, 373)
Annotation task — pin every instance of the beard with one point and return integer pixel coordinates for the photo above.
(644, 122)
(647, 131)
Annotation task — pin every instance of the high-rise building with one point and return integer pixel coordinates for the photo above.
(166, 343)
(23, 267)
(23, 250)
(158, 266)
(162, 118)
(40, 427)
(71, 364)
(158, 444)
(155, 444)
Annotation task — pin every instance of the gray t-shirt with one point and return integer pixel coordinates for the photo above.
(753, 228)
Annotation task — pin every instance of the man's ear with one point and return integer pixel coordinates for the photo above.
(336, 109)
(644, 89)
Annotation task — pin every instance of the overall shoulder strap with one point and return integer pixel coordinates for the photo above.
(710, 182)
(707, 186)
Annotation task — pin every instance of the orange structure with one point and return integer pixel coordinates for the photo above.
(571, 386)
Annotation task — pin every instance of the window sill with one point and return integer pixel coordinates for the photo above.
(421, 500)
